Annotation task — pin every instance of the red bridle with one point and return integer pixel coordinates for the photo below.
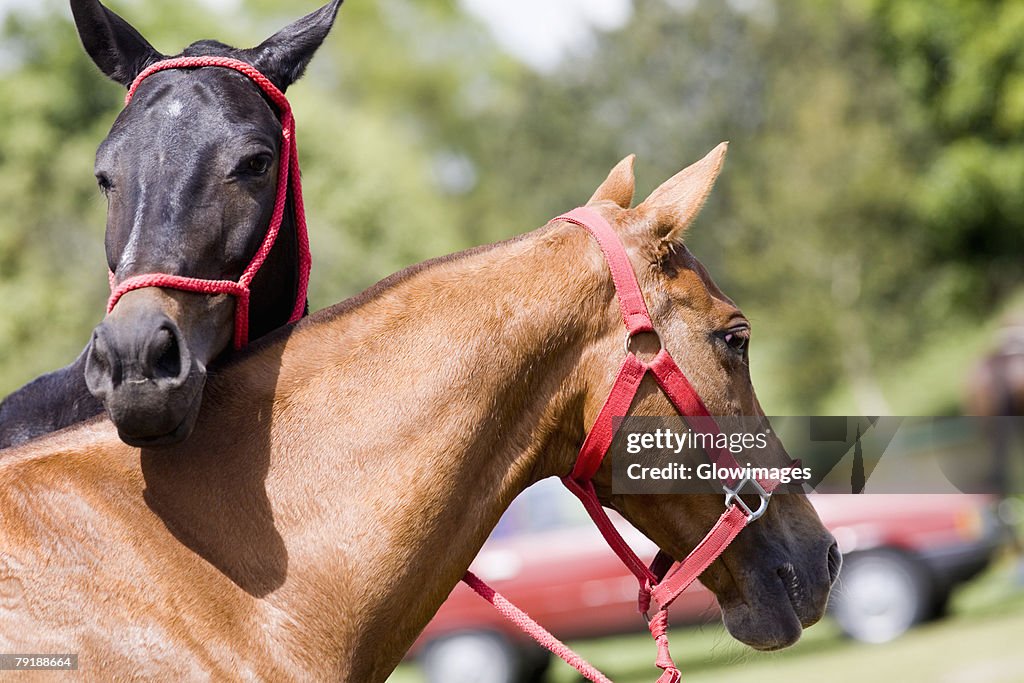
(287, 176)
(664, 580)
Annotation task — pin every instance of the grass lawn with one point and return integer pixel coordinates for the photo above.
(981, 641)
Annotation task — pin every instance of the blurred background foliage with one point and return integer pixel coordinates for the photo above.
(870, 219)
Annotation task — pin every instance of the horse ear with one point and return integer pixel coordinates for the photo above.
(679, 199)
(618, 186)
(117, 49)
(283, 56)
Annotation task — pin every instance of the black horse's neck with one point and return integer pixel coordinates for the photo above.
(276, 284)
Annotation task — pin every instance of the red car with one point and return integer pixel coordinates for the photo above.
(903, 555)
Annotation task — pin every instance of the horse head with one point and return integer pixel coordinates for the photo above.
(774, 579)
(190, 172)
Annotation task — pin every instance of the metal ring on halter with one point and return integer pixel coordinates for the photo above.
(630, 335)
(732, 497)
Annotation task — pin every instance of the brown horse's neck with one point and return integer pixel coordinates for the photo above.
(347, 473)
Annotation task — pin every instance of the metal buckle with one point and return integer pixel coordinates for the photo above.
(732, 497)
(630, 335)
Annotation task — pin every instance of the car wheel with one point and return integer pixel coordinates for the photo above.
(880, 595)
(471, 657)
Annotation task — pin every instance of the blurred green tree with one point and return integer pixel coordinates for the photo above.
(962, 62)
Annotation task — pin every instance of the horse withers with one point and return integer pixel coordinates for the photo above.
(190, 172)
(344, 472)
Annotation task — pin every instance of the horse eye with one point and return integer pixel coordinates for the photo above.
(103, 180)
(256, 165)
(737, 339)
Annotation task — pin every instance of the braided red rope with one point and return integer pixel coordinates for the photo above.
(535, 630)
(288, 177)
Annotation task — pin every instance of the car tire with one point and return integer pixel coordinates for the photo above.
(880, 595)
(471, 657)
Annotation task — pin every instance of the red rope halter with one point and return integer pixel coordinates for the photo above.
(287, 176)
(664, 580)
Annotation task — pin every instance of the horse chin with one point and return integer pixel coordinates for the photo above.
(175, 436)
(769, 624)
(142, 433)
(768, 610)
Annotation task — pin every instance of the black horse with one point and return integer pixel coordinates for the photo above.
(189, 169)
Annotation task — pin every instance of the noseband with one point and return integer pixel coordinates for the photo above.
(664, 580)
(287, 176)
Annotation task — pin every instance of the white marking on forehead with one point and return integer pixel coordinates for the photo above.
(174, 108)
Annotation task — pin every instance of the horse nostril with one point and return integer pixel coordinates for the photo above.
(99, 354)
(835, 562)
(102, 366)
(165, 354)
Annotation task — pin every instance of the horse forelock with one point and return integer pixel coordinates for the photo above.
(212, 48)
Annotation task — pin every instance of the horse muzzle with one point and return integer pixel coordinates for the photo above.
(770, 595)
(141, 368)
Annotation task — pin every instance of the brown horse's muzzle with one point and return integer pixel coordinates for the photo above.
(775, 583)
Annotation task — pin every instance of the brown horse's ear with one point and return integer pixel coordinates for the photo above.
(679, 199)
(618, 186)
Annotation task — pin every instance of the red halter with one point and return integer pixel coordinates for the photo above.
(287, 176)
(663, 581)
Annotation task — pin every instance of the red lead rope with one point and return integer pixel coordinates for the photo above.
(663, 581)
(287, 176)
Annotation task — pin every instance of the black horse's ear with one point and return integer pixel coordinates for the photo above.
(117, 49)
(283, 56)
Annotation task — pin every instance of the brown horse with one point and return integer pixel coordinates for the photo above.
(345, 471)
(995, 388)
